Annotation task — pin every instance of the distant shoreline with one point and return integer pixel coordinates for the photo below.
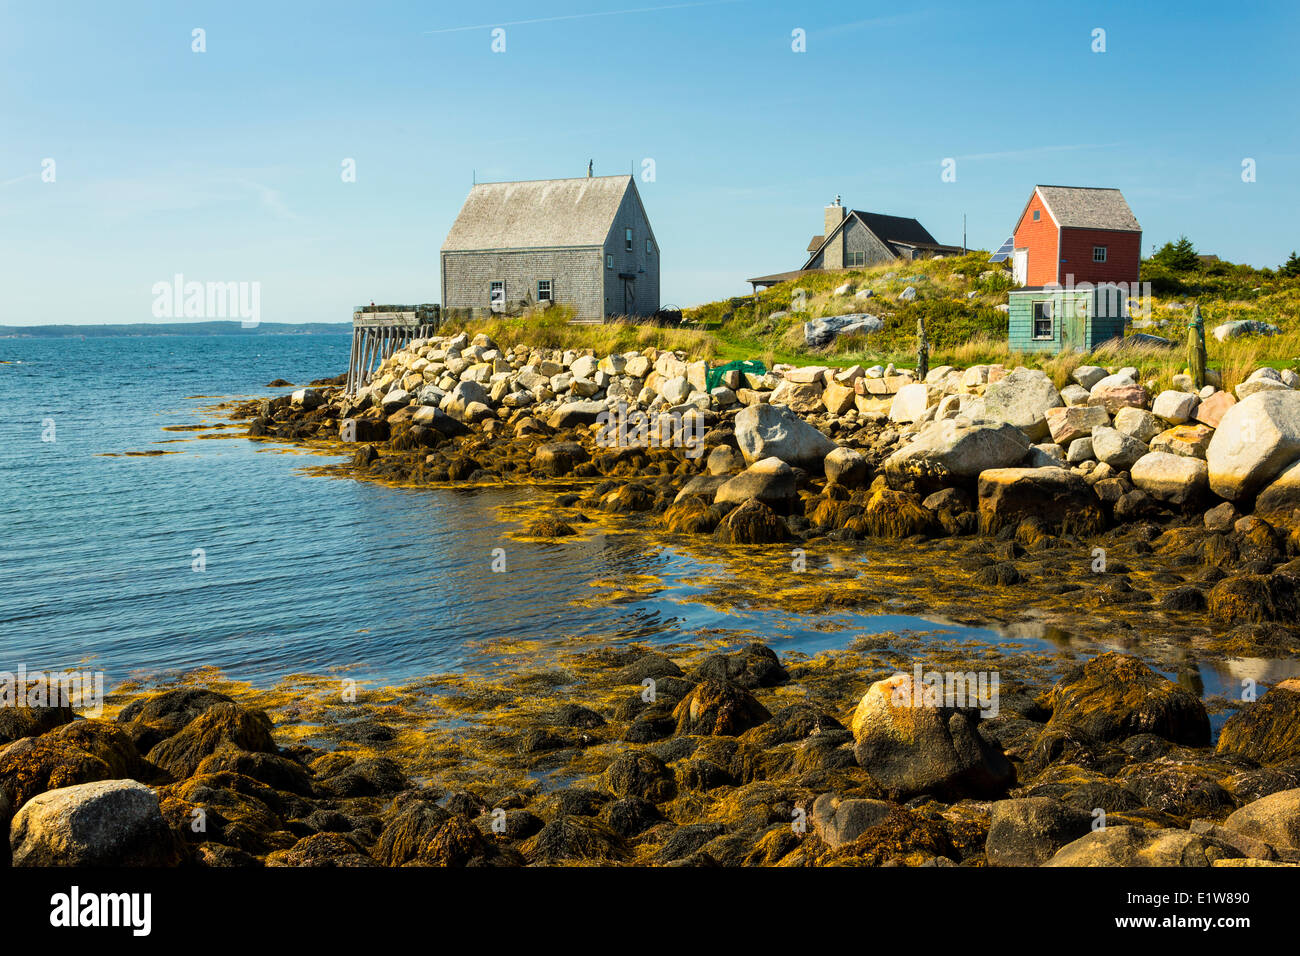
(142, 329)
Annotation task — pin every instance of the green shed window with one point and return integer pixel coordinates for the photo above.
(1042, 320)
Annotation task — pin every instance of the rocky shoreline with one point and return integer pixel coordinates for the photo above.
(1161, 525)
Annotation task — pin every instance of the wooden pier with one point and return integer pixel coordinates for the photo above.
(380, 330)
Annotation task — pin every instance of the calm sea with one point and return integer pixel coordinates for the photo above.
(300, 573)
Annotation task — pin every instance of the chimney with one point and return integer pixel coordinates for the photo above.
(833, 251)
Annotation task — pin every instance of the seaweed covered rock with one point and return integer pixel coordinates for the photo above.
(1268, 730)
(221, 724)
(575, 839)
(1028, 831)
(751, 523)
(80, 752)
(838, 820)
(327, 850)
(893, 514)
(718, 708)
(1061, 499)
(149, 720)
(19, 718)
(691, 515)
(636, 773)
(754, 666)
(912, 743)
(1114, 696)
(105, 823)
(1255, 598)
(559, 458)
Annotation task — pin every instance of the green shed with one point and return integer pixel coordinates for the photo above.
(1055, 318)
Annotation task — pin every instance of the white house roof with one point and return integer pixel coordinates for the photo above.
(543, 213)
(1084, 207)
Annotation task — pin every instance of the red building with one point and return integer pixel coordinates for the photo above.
(1089, 234)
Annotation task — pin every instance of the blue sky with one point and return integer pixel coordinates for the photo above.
(225, 165)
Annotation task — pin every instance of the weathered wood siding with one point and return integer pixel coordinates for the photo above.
(576, 275)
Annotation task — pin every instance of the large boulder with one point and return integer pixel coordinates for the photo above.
(911, 743)
(1117, 391)
(1240, 327)
(1256, 439)
(958, 448)
(910, 403)
(839, 821)
(1112, 446)
(773, 431)
(1027, 831)
(1282, 496)
(1172, 478)
(573, 414)
(1190, 440)
(456, 403)
(1175, 407)
(802, 397)
(83, 751)
(559, 458)
(1022, 399)
(846, 466)
(1268, 730)
(1275, 819)
(771, 481)
(105, 823)
(1068, 423)
(1114, 696)
(1061, 499)
(1136, 846)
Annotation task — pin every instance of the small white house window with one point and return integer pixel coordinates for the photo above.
(543, 290)
(609, 262)
(1098, 253)
(497, 292)
(1037, 215)
(1042, 320)
(627, 240)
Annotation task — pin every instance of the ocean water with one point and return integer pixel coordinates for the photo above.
(300, 573)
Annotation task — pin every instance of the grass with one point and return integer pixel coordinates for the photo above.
(958, 298)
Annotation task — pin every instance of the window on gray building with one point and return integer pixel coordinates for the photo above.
(649, 249)
(855, 258)
(627, 240)
(497, 292)
(609, 262)
(543, 290)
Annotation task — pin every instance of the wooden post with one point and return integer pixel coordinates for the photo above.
(1196, 348)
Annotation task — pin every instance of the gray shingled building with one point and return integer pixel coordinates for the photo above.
(585, 242)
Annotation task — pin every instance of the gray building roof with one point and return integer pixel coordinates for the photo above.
(540, 214)
(1082, 207)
